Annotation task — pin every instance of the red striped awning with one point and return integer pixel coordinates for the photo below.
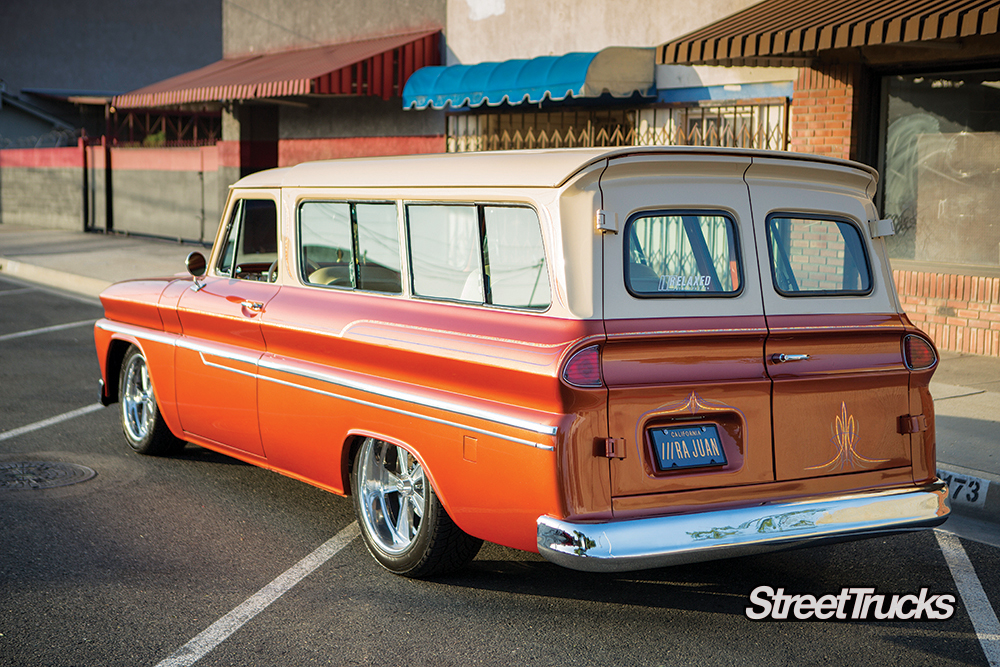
(378, 67)
(774, 31)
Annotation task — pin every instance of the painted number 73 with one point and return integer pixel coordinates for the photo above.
(964, 489)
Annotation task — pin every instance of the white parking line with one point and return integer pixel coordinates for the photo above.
(55, 327)
(13, 433)
(984, 619)
(223, 628)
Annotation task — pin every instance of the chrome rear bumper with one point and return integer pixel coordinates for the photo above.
(687, 538)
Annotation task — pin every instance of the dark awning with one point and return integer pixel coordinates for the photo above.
(778, 31)
(377, 67)
(618, 71)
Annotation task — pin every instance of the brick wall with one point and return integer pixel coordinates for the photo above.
(960, 313)
(823, 105)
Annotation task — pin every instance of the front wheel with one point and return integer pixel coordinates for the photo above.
(402, 521)
(143, 425)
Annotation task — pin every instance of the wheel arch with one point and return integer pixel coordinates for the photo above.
(350, 451)
(117, 349)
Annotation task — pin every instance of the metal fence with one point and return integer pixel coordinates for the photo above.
(762, 124)
(53, 139)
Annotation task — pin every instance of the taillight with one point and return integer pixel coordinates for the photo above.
(918, 353)
(584, 368)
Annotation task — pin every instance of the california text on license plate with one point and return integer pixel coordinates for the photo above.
(691, 446)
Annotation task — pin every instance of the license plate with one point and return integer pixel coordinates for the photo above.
(693, 446)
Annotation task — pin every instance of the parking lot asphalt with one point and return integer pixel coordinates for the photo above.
(966, 388)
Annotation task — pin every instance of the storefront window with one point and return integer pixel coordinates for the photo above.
(941, 167)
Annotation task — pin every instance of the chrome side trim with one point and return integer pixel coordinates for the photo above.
(138, 332)
(407, 413)
(638, 544)
(445, 406)
(257, 360)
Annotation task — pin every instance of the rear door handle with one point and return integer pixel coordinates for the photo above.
(253, 306)
(782, 358)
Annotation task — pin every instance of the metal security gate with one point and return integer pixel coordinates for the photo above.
(760, 124)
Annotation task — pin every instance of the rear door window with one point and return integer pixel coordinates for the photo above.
(516, 259)
(478, 253)
(350, 245)
(816, 256)
(669, 254)
(445, 253)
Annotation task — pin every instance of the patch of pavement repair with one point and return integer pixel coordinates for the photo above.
(34, 475)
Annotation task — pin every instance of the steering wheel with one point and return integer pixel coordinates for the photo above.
(272, 272)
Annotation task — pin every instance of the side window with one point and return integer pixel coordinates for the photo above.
(351, 245)
(670, 254)
(812, 256)
(326, 251)
(445, 252)
(516, 267)
(250, 251)
(378, 248)
(477, 253)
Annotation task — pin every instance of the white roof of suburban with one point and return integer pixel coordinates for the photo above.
(534, 168)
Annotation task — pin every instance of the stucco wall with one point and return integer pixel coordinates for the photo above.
(494, 30)
(256, 26)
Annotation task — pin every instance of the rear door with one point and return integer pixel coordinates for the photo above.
(689, 398)
(835, 346)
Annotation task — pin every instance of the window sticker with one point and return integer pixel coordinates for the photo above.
(671, 253)
(672, 283)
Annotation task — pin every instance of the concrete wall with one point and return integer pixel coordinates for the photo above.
(357, 117)
(356, 127)
(495, 30)
(265, 26)
(169, 192)
(173, 193)
(106, 45)
(43, 187)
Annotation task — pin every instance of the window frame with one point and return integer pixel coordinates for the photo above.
(237, 216)
(736, 251)
(827, 217)
(480, 207)
(355, 261)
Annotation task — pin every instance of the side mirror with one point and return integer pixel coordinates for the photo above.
(196, 264)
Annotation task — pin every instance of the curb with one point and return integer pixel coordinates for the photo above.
(91, 287)
(973, 493)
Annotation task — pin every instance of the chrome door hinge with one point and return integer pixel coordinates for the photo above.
(607, 221)
(912, 424)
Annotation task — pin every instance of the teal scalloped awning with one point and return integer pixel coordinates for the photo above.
(620, 71)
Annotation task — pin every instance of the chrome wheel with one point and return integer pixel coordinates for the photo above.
(403, 523)
(138, 402)
(393, 495)
(145, 430)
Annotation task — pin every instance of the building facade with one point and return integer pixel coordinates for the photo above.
(914, 90)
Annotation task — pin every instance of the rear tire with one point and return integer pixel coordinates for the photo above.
(402, 521)
(143, 425)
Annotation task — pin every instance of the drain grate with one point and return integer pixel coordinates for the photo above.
(22, 475)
